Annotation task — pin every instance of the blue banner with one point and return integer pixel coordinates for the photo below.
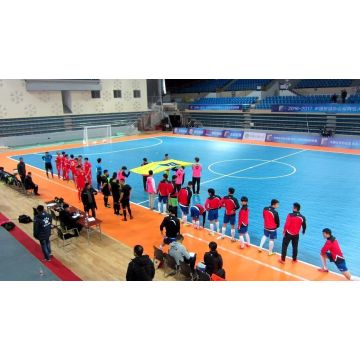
(182, 131)
(313, 108)
(196, 131)
(215, 107)
(231, 134)
(294, 139)
(214, 133)
(341, 142)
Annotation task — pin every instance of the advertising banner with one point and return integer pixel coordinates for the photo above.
(251, 135)
(321, 108)
(233, 134)
(340, 142)
(215, 107)
(294, 139)
(182, 131)
(196, 131)
(214, 133)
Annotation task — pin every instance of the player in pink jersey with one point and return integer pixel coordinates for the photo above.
(196, 175)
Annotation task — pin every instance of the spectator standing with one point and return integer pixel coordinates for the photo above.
(343, 96)
(42, 231)
(21, 168)
(141, 268)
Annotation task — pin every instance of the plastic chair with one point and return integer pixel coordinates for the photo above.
(185, 270)
(170, 263)
(159, 256)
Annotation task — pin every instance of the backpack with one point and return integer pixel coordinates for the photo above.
(8, 225)
(24, 219)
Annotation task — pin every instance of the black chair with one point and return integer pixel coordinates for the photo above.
(202, 275)
(66, 235)
(55, 217)
(170, 263)
(158, 256)
(185, 271)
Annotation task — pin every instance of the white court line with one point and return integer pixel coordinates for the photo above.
(142, 202)
(281, 145)
(107, 152)
(252, 167)
(250, 259)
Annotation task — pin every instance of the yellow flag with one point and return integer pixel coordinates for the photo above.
(159, 166)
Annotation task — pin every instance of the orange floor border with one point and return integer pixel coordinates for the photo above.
(247, 264)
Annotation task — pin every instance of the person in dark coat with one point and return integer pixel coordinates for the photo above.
(21, 168)
(115, 191)
(141, 268)
(213, 260)
(30, 185)
(42, 231)
(67, 220)
(105, 187)
(88, 199)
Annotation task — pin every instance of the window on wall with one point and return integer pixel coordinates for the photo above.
(95, 94)
(117, 93)
(137, 94)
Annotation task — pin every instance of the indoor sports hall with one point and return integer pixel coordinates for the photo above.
(294, 148)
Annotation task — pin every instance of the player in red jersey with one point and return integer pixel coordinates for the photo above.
(271, 223)
(87, 170)
(66, 167)
(243, 222)
(212, 206)
(73, 164)
(80, 180)
(331, 250)
(294, 222)
(184, 199)
(164, 189)
(196, 211)
(231, 204)
(58, 163)
(62, 163)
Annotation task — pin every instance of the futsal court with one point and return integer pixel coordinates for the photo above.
(324, 182)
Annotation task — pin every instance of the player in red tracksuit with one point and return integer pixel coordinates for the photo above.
(294, 222)
(66, 167)
(87, 171)
(163, 191)
(271, 223)
(58, 160)
(231, 204)
(243, 222)
(196, 211)
(184, 199)
(80, 180)
(212, 206)
(331, 250)
(62, 163)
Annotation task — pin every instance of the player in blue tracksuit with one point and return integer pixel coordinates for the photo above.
(48, 165)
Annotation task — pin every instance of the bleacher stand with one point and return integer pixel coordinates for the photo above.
(323, 83)
(248, 84)
(205, 86)
(226, 100)
(293, 100)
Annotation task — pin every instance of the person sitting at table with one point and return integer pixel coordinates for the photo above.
(30, 185)
(88, 199)
(67, 220)
(178, 251)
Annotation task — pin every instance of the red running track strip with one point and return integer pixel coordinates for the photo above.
(55, 266)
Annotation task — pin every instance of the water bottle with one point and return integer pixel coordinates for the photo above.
(41, 271)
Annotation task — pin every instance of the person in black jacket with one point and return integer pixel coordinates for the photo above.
(213, 260)
(30, 185)
(88, 199)
(172, 226)
(66, 219)
(42, 231)
(141, 268)
(21, 168)
(105, 187)
(115, 191)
